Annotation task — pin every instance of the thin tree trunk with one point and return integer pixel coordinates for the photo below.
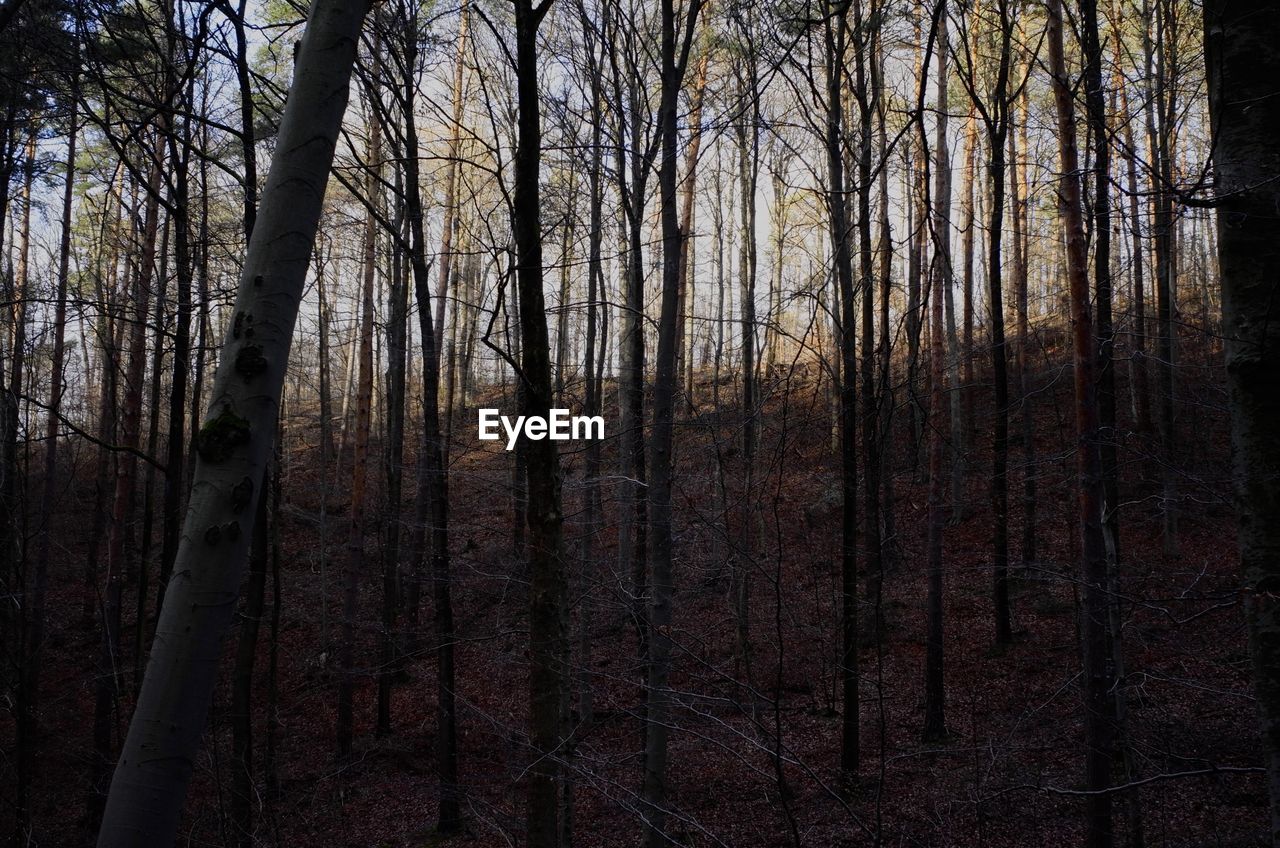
(867, 95)
(997, 132)
(29, 690)
(547, 584)
(433, 493)
(834, 32)
(125, 479)
(353, 567)
(1158, 138)
(1096, 112)
(1017, 171)
(1094, 619)
(935, 724)
(393, 454)
(453, 176)
(658, 713)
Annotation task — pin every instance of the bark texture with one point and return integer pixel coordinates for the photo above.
(234, 445)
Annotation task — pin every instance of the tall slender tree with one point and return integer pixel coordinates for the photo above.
(1095, 600)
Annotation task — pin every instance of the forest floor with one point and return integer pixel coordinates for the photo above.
(753, 753)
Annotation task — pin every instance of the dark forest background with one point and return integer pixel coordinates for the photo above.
(939, 356)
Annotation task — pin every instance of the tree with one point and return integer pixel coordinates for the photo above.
(674, 60)
(1095, 601)
(433, 481)
(353, 567)
(935, 721)
(835, 30)
(1243, 64)
(994, 110)
(235, 444)
(547, 581)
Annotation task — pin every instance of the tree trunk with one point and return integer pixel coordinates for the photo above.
(29, 690)
(868, 95)
(123, 492)
(1096, 111)
(452, 178)
(935, 723)
(353, 567)
(1243, 64)
(393, 456)
(1158, 110)
(433, 493)
(835, 30)
(658, 711)
(155, 765)
(997, 131)
(1094, 613)
(547, 584)
(1018, 202)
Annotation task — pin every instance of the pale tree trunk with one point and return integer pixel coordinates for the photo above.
(1094, 599)
(242, 781)
(234, 445)
(1243, 61)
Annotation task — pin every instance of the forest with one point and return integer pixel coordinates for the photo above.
(701, 423)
